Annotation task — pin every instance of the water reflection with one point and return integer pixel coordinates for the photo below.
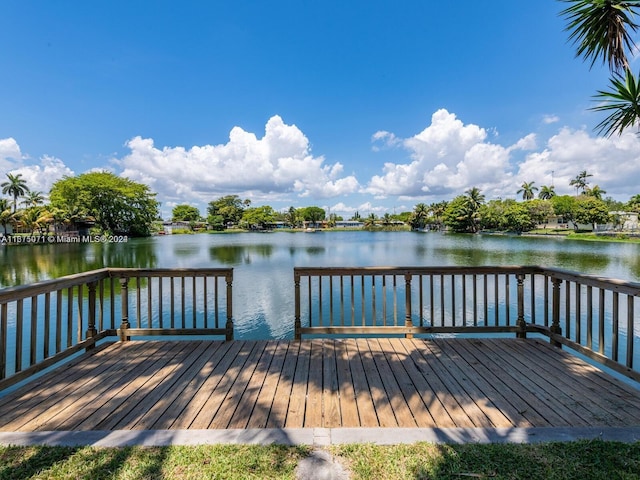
(263, 264)
(239, 254)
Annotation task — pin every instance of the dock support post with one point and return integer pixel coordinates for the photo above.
(522, 325)
(407, 294)
(124, 290)
(555, 312)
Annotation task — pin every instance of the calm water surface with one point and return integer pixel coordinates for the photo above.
(263, 263)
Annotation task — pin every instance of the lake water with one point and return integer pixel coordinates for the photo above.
(263, 263)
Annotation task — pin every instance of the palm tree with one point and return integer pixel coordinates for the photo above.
(370, 221)
(595, 192)
(546, 192)
(15, 187)
(604, 29)
(438, 210)
(527, 190)
(7, 217)
(419, 215)
(474, 200)
(33, 199)
(580, 182)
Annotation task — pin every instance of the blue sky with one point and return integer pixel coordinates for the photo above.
(371, 106)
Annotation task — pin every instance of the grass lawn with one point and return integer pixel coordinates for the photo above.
(577, 460)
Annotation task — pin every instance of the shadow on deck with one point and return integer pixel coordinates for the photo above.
(322, 384)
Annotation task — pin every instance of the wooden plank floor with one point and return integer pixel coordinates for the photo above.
(322, 383)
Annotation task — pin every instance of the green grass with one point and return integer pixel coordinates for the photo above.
(226, 462)
(551, 461)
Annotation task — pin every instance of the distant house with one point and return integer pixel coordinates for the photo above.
(349, 224)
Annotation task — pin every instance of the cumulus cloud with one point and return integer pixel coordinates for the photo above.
(9, 153)
(42, 176)
(446, 157)
(279, 163)
(449, 157)
(548, 119)
(614, 162)
(39, 176)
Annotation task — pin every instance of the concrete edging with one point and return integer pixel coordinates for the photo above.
(319, 437)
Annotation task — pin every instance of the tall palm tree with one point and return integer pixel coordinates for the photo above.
(474, 200)
(474, 197)
(546, 192)
(16, 187)
(604, 29)
(527, 190)
(580, 182)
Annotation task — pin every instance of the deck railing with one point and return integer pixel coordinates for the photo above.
(592, 315)
(54, 319)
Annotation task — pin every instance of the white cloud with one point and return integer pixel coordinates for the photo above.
(614, 162)
(9, 154)
(41, 177)
(447, 158)
(548, 119)
(277, 164)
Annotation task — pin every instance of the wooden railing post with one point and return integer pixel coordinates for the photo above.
(297, 323)
(522, 325)
(124, 286)
(91, 319)
(407, 294)
(555, 311)
(229, 324)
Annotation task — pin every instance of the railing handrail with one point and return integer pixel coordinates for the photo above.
(21, 292)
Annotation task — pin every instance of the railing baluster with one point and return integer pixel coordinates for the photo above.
(172, 295)
(80, 323)
(589, 317)
(34, 331)
(507, 299)
(475, 300)
(205, 301)
(138, 304)
(216, 307)
(19, 328)
(431, 302)
(149, 301)
(58, 321)
(453, 300)
(353, 303)
(486, 299)
(615, 320)
(297, 323)
(567, 306)
(578, 309)
(546, 301)
(496, 299)
(555, 316)
(601, 336)
(47, 324)
(3, 340)
(182, 300)
(193, 303)
(341, 300)
(373, 301)
(630, 330)
(320, 316)
(464, 300)
(442, 301)
(161, 302)
(69, 317)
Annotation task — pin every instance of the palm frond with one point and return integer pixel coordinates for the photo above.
(602, 29)
(623, 101)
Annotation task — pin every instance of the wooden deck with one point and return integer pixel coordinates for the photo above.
(322, 383)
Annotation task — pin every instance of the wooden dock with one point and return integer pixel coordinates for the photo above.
(374, 382)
